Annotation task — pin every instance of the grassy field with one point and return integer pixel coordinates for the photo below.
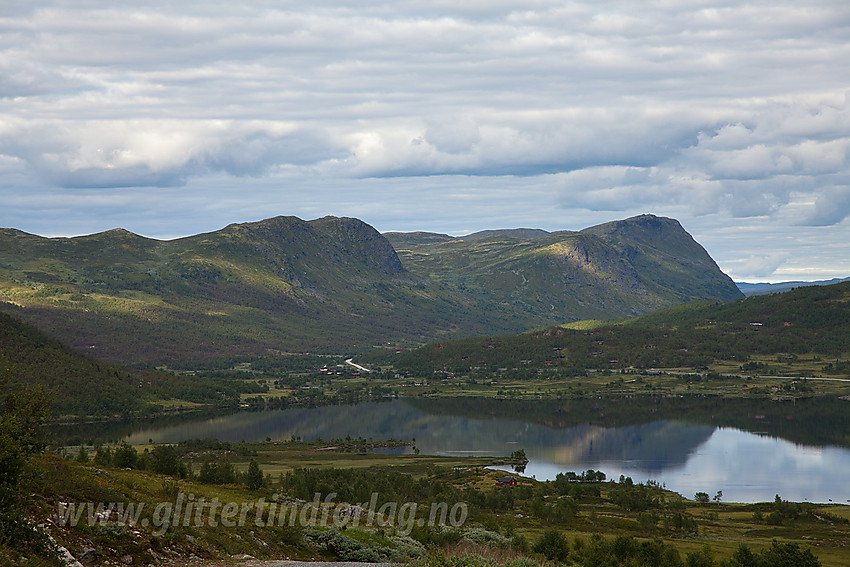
(733, 382)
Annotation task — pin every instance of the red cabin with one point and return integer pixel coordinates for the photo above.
(506, 481)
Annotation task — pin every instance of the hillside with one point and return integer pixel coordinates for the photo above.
(27, 357)
(81, 386)
(336, 284)
(277, 285)
(777, 329)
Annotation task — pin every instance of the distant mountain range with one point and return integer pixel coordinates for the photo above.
(749, 289)
(336, 284)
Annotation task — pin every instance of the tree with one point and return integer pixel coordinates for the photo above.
(519, 455)
(165, 461)
(702, 558)
(744, 557)
(208, 473)
(787, 555)
(217, 472)
(102, 455)
(554, 545)
(254, 476)
(22, 415)
(226, 474)
(701, 497)
(125, 456)
(82, 455)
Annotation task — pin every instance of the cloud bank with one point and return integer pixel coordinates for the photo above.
(737, 113)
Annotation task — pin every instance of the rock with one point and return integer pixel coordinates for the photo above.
(127, 559)
(88, 555)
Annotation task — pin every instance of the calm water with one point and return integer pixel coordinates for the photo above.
(747, 467)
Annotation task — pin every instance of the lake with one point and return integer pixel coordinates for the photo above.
(684, 456)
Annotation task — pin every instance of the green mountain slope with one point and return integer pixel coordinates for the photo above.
(613, 270)
(667, 259)
(332, 284)
(805, 321)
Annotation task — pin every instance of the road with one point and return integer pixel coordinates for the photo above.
(357, 366)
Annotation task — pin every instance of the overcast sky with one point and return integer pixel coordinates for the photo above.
(173, 118)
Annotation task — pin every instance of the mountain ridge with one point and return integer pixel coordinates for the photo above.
(750, 289)
(284, 284)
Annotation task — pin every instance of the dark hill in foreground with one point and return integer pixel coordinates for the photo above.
(81, 386)
(336, 284)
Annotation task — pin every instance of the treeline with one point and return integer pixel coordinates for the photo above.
(558, 501)
(567, 503)
(270, 365)
(551, 503)
(358, 485)
(215, 464)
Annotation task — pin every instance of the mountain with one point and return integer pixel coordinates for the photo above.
(749, 289)
(667, 259)
(608, 271)
(281, 284)
(336, 284)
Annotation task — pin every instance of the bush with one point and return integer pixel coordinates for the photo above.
(787, 555)
(554, 545)
(485, 537)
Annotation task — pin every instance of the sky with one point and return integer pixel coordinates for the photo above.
(174, 118)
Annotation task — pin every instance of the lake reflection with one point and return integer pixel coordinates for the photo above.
(686, 458)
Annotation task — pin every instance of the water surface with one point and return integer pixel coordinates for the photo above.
(685, 457)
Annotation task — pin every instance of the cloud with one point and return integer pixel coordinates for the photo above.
(709, 109)
(128, 153)
(831, 207)
(453, 135)
(760, 265)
